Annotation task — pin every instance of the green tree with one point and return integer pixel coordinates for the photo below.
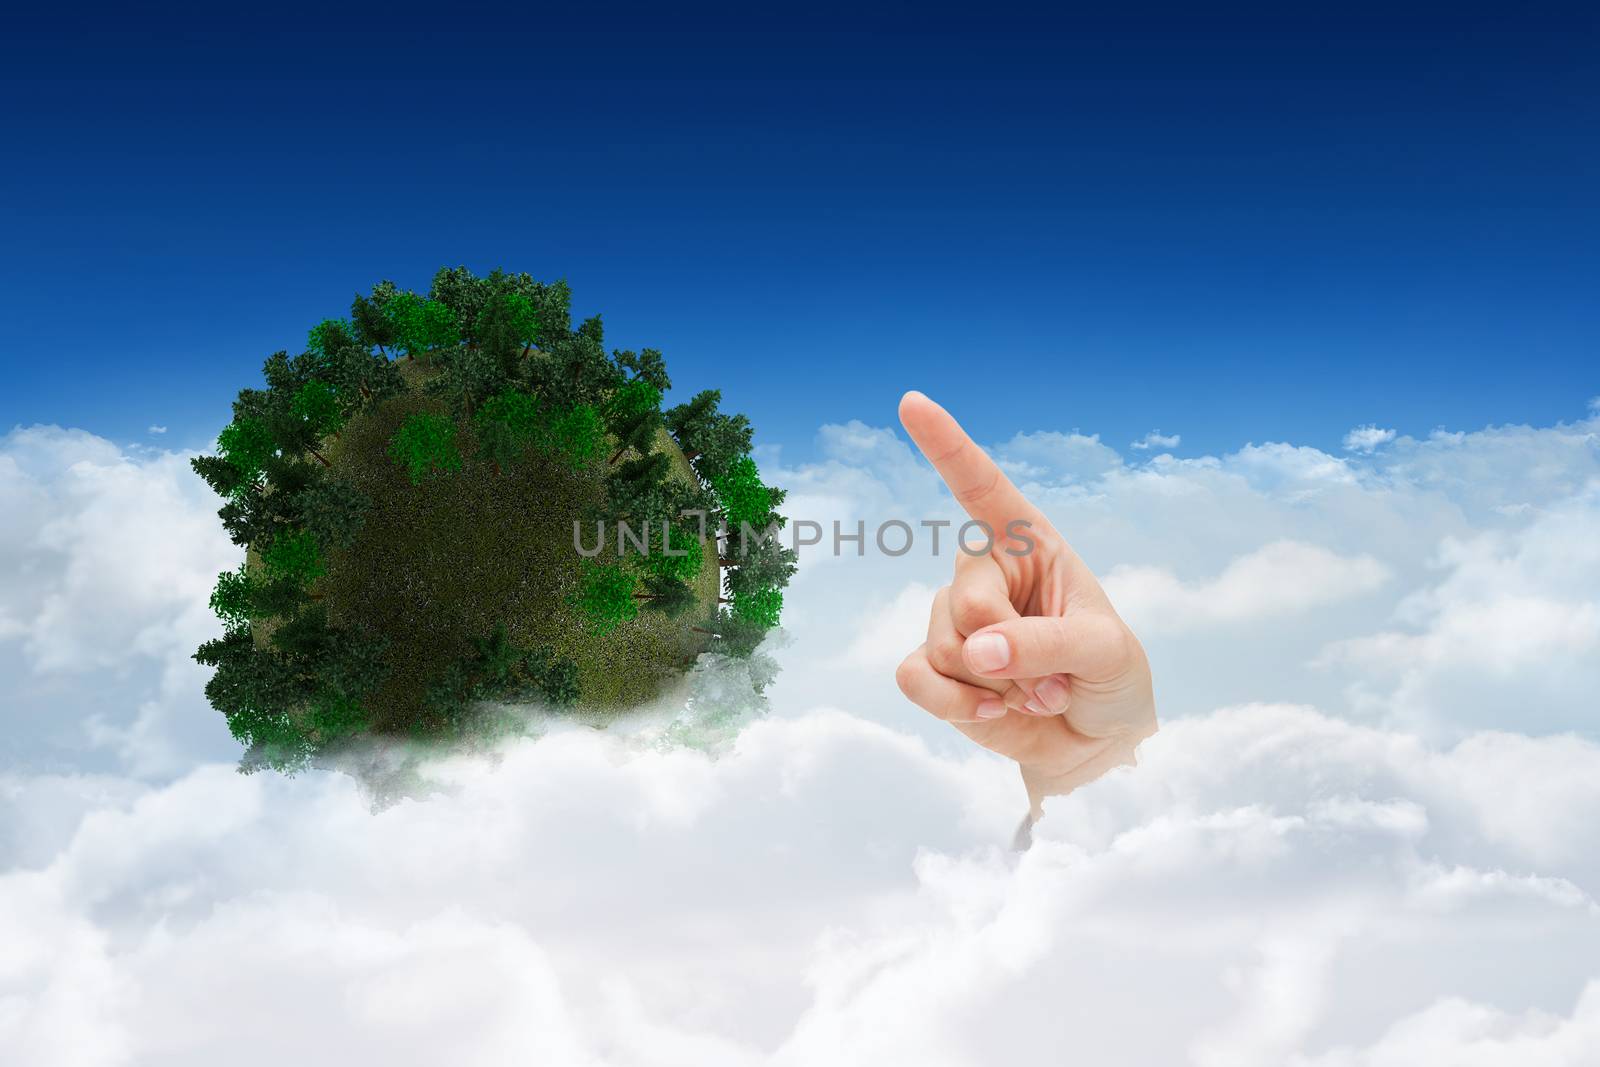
(632, 398)
(329, 336)
(761, 606)
(719, 444)
(332, 511)
(373, 326)
(646, 366)
(687, 421)
(605, 595)
(256, 689)
(666, 594)
(294, 555)
(506, 425)
(730, 634)
(317, 406)
(658, 563)
(223, 477)
(575, 369)
(463, 292)
(232, 598)
(247, 445)
(470, 376)
(577, 434)
(635, 489)
(743, 497)
(335, 716)
(420, 326)
(759, 562)
(425, 443)
(522, 320)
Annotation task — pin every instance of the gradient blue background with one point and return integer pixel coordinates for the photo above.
(1237, 224)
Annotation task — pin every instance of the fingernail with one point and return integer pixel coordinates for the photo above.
(1037, 708)
(988, 652)
(991, 709)
(1052, 693)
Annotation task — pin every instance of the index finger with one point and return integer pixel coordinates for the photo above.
(979, 486)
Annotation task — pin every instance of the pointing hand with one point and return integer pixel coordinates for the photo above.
(1025, 654)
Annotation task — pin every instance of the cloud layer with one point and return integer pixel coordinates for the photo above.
(1363, 836)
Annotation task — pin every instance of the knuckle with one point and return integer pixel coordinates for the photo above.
(906, 674)
(945, 657)
(969, 609)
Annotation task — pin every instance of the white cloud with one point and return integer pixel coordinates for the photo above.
(1367, 438)
(1281, 578)
(1387, 858)
(106, 562)
(157, 430)
(1157, 439)
(1269, 883)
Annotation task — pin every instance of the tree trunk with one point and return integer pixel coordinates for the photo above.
(616, 456)
(314, 452)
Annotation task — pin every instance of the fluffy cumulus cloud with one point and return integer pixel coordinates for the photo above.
(1363, 836)
(1271, 885)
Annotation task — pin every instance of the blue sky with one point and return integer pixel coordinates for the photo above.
(1238, 225)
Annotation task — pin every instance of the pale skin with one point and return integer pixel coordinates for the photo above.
(1025, 654)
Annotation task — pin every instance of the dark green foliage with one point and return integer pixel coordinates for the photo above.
(424, 444)
(276, 597)
(724, 440)
(507, 424)
(364, 572)
(330, 335)
(373, 327)
(497, 670)
(687, 421)
(507, 327)
(605, 596)
(732, 635)
(332, 511)
(420, 326)
(761, 606)
(317, 405)
(256, 691)
(646, 366)
(636, 489)
(362, 379)
(335, 716)
(576, 370)
(758, 563)
(578, 434)
(633, 398)
(711, 440)
(233, 598)
(743, 497)
(659, 563)
(294, 555)
(465, 294)
(666, 594)
(246, 444)
(223, 477)
(471, 375)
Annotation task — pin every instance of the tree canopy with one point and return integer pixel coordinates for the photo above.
(479, 395)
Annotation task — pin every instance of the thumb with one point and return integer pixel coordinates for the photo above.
(1089, 645)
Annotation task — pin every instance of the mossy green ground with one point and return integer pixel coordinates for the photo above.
(439, 563)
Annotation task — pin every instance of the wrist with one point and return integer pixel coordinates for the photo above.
(1047, 781)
